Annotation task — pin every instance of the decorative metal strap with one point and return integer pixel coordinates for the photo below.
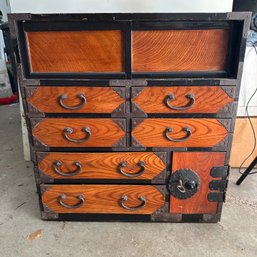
(82, 97)
(186, 137)
(171, 97)
(63, 196)
(124, 198)
(68, 131)
(65, 174)
(139, 173)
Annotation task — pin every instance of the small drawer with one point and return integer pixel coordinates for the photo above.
(139, 166)
(115, 199)
(78, 132)
(198, 182)
(49, 99)
(180, 99)
(176, 132)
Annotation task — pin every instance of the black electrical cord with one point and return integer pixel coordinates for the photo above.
(250, 121)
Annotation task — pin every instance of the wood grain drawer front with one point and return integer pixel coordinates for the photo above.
(201, 163)
(176, 132)
(119, 199)
(75, 99)
(129, 165)
(78, 132)
(180, 50)
(75, 51)
(192, 99)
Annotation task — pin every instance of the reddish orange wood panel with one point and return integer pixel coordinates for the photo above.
(102, 165)
(201, 163)
(205, 132)
(76, 51)
(103, 198)
(104, 132)
(208, 99)
(97, 99)
(179, 50)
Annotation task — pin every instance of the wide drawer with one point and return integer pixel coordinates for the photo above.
(59, 99)
(78, 132)
(140, 166)
(182, 99)
(176, 132)
(119, 199)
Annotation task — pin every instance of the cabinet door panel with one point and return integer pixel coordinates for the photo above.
(201, 163)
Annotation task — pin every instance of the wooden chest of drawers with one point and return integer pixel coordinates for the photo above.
(131, 116)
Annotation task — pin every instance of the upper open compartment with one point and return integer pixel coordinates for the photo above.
(185, 49)
(127, 46)
(73, 49)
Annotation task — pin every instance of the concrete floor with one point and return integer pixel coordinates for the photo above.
(235, 235)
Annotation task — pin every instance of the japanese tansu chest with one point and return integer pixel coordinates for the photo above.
(130, 116)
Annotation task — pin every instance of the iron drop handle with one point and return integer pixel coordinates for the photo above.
(188, 185)
(186, 137)
(171, 97)
(124, 198)
(68, 131)
(82, 97)
(70, 174)
(139, 173)
(63, 196)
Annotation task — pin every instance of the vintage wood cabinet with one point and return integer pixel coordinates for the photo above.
(131, 116)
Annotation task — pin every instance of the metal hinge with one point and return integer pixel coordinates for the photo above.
(216, 197)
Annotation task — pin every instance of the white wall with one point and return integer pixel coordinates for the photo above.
(80, 6)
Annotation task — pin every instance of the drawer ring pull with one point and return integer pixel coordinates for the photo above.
(82, 97)
(171, 97)
(186, 137)
(68, 131)
(139, 173)
(124, 198)
(63, 196)
(70, 174)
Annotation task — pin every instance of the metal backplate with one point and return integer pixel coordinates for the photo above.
(184, 183)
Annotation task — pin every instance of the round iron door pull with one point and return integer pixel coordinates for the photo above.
(63, 196)
(68, 131)
(186, 137)
(82, 97)
(124, 198)
(171, 97)
(70, 174)
(139, 173)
